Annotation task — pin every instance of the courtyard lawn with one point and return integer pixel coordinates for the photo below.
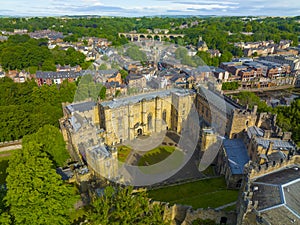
(123, 152)
(199, 194)
(156, 155)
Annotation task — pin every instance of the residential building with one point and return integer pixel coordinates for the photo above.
(136, 81)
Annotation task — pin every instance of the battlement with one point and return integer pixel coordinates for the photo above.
(255, 170)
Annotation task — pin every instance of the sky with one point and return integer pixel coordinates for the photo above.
(133, 8)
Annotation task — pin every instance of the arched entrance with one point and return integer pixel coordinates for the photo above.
(139, 131)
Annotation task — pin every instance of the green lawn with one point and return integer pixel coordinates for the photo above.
(156, 155)
(200, 194)
(123, 152)
(209, 171)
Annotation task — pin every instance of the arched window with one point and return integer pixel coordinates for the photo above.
(149, 121)
(164, 116)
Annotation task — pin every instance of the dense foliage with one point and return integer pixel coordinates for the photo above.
(251, 99)
(119, 206)
(136, 54)
(52, 143)
(218, 32)
(230, 85)
(25, 107)
(288, 117)
(36, 194)
(22, 52)
(215, 61)
(87, 88)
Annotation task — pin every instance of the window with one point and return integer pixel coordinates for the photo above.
(149, 121)
(164, 116)
(120, 123)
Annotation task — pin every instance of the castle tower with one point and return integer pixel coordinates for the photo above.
(208, 138)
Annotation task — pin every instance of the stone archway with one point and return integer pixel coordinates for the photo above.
(139, 132)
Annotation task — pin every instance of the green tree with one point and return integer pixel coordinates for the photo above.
(36, 193)
(123, 73)
(251, 99)
(102, 93)
(136, 54)
(103, 66)
(52, 142)
(48, 65)
(120, 206)
(230, 85)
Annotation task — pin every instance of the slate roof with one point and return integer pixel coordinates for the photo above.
(255, 131)
(237, 155)
(217, 100)
(278, 196)
(81, 107)
(280, 177)
(278, 144)
(57, 75)
(99, 151)
(267, 195)
(282, 214)
(147, 96)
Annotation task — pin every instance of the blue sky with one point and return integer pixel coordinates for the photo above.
(149, 7)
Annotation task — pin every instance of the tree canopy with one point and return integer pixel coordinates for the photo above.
(52, 142)
(36, 194)
(25, 107)
(22, 52)
(120, 206)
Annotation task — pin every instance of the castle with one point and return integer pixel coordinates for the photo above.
(127, 118)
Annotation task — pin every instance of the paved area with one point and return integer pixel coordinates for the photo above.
(10, 148)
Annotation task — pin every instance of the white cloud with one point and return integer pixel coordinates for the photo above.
(149, 7)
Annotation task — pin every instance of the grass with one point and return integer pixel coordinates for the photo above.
(209, 171)
(123, 152)
(199, 194)
(156, 155)
(230, 208)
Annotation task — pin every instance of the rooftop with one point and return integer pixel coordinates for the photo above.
(278, 144)
(58, 75)
(237, 155)
(267, 195)
(255, 131)
(217, 100)
(146, 96)
(282, 214)
(99, 151)
(281, 177)
(81, 106)
(278, 196)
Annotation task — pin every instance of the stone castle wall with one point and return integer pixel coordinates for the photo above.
(184, 215)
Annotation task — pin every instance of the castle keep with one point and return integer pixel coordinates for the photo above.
(126, 118)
